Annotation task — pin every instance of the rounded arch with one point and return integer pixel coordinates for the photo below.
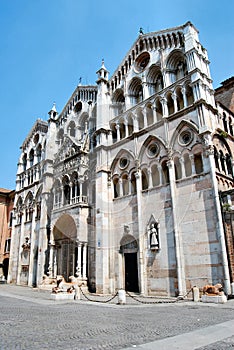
(155, 79)
(71, 129)
(135, 90)
(65, 227)
(118, 96)
(176, 65)
(128, 244)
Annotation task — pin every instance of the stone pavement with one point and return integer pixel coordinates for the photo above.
(29, 319)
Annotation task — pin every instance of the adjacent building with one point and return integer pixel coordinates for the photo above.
(122, 188)
(6, 216)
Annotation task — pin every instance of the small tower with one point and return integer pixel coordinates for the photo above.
(102, 73)
(102, 98)
(53, 113)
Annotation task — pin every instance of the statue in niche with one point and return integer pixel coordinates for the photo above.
(154, 235)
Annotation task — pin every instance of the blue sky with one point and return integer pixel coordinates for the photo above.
(47, 45)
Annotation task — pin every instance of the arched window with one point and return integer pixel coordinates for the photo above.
(222, 161)
(116, 187)
(225, 126)
(24, 161)
(29, 207)
(31, 157)
(189, 95)
(75, 190)
(140, 117)
(176, 66)
(66, 190)
(135, 91)
(165, 172)
(229, 164)
(155, 175)
(179, 99)
(130, 125)
(133, 184)
(170, 104)
(60, 136)
(39, 148)
(159, 110)
(187, 165)
(57, 194)
(155, 80)
(125, 184)
(114, 133)
(144, 179)
(118, 101)
(177, 165)
(72, 129)
(230, 126)
(216, 157)
(149, 114)
(198, 163)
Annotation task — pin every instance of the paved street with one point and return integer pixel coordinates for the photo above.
(29, 319)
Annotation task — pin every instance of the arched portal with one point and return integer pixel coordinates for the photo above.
(65, 247)
(129, 249)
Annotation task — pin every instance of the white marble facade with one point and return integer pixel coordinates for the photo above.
(121, 189)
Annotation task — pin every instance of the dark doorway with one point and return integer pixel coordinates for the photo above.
(5, 267)
(131, 272)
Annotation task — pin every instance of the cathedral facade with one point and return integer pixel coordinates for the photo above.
(122, 188)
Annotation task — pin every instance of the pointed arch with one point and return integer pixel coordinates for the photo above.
(184, 123)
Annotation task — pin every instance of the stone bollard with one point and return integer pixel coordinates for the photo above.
(121, 297)
(232, 288)
(196, 296)
(77, 293)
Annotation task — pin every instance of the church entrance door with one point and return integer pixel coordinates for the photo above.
(129, 249)
(131, 272)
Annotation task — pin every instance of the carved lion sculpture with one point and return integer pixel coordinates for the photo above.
(69, 287)
(217, 289)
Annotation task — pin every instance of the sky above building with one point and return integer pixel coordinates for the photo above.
(47, 47)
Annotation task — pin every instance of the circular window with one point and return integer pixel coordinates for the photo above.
(153, 150)
(185, 137)
(123, 162)
(142, 61)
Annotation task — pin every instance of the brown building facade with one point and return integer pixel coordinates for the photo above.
(6, 215)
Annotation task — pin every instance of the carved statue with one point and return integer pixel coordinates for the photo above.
(153, 236)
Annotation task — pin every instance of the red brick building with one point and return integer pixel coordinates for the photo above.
(6, 213)
(225, 94)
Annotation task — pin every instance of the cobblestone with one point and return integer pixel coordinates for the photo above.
(29, 319)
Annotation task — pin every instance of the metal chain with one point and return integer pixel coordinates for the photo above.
(150, 302)
(136, 298)
(98, 301)
(157, 301)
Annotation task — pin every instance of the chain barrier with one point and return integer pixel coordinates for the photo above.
(98, 301)
(150, 302)
(158, 301)
(136, 298)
